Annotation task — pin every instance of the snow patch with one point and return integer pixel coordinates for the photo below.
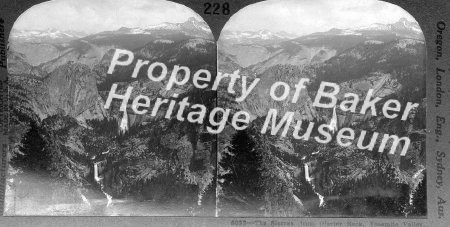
(373, 42)
(163, 41)
(139, 31)
(349, 32)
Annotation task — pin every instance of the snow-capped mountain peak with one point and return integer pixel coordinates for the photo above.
(193, 23)
(403, 24)
(376, 27)
(402, 28)
(261, 35)
(47, 35)
(165, 26)
(190, 27)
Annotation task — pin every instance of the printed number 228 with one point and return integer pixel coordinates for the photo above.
(214, 8)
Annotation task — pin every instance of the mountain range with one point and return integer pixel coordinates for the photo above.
(258, 51)
(43, 36)
(191, 27)
(58, 79)
(40, 55)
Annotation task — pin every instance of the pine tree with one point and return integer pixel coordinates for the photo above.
(33, 156)
(244, 176)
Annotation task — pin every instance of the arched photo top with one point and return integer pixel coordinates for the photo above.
(46, 30)
(91, 17)
(303, 17)
(345, 23)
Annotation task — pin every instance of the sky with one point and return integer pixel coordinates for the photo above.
(91, 16)
(307, 16)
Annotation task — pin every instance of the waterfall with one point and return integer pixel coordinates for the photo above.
(124, 122)
(201, 193)
(199, 200)
(85, 200)
(83, 197)
(307, 173)
(297, 200)
(333, 122)
(309, 179)
(98, 180)
(109, 198)
(417, 178)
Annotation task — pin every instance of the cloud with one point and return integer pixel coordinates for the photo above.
(308, 16)
(94, 15)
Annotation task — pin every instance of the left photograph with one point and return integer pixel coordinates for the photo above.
(77, 146)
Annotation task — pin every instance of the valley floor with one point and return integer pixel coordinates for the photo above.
(35, 193)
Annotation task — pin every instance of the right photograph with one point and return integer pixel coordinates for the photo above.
(337, 114)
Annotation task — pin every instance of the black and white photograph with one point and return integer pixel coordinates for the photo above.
(69, 154)
(364, 49)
